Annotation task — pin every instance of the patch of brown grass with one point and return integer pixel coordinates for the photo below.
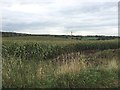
(71, 67)
(110, 64)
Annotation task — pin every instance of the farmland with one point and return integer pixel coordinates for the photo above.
(55, 62)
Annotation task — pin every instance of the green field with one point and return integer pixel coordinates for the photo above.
(55, 62)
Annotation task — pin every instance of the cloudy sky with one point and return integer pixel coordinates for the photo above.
(82, 17)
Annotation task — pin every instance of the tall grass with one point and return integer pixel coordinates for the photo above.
(60, 74)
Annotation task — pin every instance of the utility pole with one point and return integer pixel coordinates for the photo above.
(71, 33)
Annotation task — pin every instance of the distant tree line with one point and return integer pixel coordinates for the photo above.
(78, 37)
(12, 34)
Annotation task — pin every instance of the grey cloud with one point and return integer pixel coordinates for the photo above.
(20, 26)
(91, 25)
(88, 8)
(87, 17)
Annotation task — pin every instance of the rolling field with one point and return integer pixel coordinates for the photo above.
(52, 62)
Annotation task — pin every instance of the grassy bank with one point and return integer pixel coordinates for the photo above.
(64, 71)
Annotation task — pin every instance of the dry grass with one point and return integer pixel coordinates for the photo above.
(112, 64)
(39, 72)
(71, 67)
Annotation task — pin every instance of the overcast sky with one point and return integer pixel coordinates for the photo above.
(82, 17)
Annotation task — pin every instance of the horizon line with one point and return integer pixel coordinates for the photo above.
(55, 34)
